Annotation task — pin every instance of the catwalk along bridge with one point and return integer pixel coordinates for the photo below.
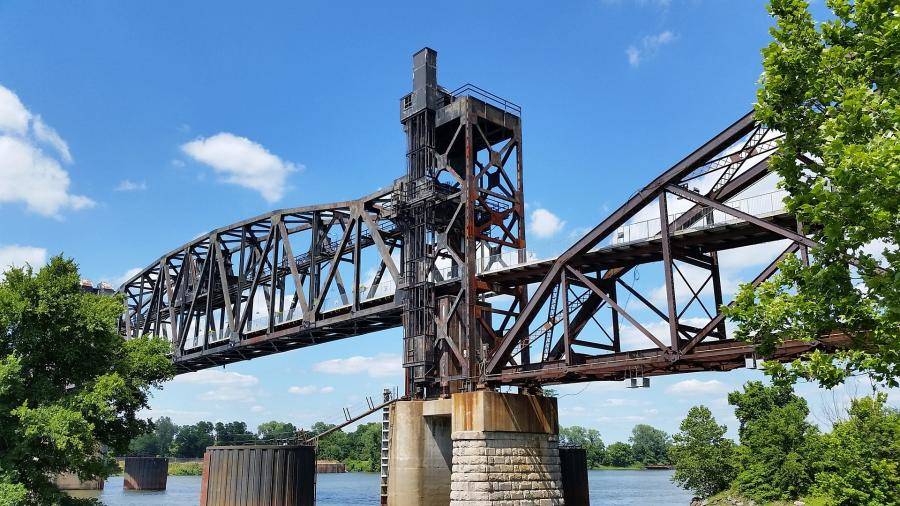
(441, 252)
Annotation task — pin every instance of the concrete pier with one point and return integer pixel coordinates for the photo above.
(71, 481)
(477, 448)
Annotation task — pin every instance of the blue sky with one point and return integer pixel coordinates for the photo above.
(120, 124)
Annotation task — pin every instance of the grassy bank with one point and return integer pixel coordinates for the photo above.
(729, 498)
(175, 468)
(633, 467)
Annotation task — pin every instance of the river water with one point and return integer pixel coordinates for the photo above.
(625, 488)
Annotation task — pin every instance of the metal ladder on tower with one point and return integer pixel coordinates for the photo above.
(385, 444)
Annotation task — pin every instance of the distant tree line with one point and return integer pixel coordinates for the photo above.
(360, 450)
(647, 446)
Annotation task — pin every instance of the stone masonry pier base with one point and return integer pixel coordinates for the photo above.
(475, 449)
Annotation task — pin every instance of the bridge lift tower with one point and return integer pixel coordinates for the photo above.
(461, 208)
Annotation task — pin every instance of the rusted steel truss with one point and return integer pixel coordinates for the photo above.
(587, 280)
(442, 253)
(280, 281)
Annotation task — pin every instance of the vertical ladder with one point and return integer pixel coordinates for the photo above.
(385, 444)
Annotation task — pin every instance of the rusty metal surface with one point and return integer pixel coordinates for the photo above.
(146, 473)
(461, 201)
(259, 475)
(573, 467)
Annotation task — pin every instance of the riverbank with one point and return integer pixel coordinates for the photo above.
(189, 468)
(729, 498)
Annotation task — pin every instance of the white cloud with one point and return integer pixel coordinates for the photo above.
(127, 185)
(218, 377)
(14, 255)
(648, 47)
(693, 387)
(30, 175)
(35, 179)
(228, 394)
(257, 409)
(544, 224)
(48, 135)
(326, 390)
(243, 162)
(130, 273)
(304, 390)
(379, 366)
(14, 117)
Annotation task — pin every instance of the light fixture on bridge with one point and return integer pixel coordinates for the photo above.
(750, 361)
(639, 381)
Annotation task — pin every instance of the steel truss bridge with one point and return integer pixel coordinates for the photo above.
(442, 253)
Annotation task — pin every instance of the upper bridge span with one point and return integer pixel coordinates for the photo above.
(441, 252)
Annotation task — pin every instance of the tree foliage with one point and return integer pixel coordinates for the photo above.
(619, 454)
(704, 458)
(833, 92)
(191, 440)
(589, 439)
(70, 386)
(275, 430)
(861, 456)
(778, 454)
(649, 445)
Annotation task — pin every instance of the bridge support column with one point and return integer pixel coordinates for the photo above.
(477, 448)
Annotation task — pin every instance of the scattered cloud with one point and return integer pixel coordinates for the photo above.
(309, 390)
(130, 273)
(379, 366)
(242, 162)
(127, 185)
(544, 224)
(48, 135)
(177, 163)
(14, 255)
(257, 409)
(229, 394)
(218, 377)
(648, 47)
(31, 175)
(693, 387)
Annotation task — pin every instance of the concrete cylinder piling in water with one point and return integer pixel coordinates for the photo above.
(146, 473)
(257, 475)
(573, 467)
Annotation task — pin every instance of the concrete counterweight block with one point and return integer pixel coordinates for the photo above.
(146, 473)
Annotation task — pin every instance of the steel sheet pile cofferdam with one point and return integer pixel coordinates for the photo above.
(441, 252)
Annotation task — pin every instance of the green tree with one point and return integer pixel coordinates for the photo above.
(778, 451)
(704, 458)
(334, 446)
(233, 433)
(191, 440)
(619, 454)
(365, 446)
(157, 441)
(862, 456)
(833, 92)
(589, 439)
(649, 445)
(69, 384)
(275, 430)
